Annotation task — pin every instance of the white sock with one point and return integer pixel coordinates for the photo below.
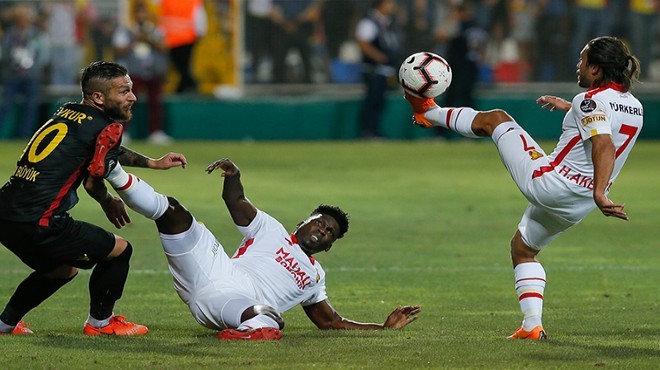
(4, 328)
(455, 119)
(530, 284)
(259, 321)
(137, 194)
(99, 323)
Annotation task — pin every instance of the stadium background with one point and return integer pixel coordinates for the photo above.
(231, 106)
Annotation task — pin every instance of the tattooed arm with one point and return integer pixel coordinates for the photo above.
(131, 158)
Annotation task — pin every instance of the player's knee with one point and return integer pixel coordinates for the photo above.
(176, 219)
(520, 252)
(262, 309)
(64, 272)
(485, 122)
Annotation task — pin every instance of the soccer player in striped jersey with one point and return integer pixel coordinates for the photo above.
(77, 145)
(599, 130)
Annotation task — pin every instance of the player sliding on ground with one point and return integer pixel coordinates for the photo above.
(598, 132)
(271, 272)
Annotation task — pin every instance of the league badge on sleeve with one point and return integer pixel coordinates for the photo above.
(587, 106)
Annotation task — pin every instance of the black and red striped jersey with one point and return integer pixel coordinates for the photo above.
(53, 165)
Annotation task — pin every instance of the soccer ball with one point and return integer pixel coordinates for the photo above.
(425, 74)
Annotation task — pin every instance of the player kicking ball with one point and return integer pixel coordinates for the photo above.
(271, 272)
(598, 132)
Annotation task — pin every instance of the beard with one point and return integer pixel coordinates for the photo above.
(116, 113)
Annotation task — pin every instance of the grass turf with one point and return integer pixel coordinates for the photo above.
(430, 225)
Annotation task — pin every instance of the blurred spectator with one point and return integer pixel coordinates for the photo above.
(338, 18)
(295, 21)
(141, 48)
(523, 30)
(552, 34)
(466, 47)
(61, 27)
(643, 30)
(419, 26)
(591, 18)
(259, 38)
(381, 48)
(99, 27)
(184, 23)
(25, 53)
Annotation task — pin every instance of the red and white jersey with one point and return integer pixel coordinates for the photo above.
(283, 275)
(607, 110)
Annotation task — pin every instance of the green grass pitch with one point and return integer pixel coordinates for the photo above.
(430, 225)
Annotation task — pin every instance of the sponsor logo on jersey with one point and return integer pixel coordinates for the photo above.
(286, 260)
(593, 119)
(587, 105)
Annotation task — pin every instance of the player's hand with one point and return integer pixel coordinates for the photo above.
(402, 316)
(115, 211)
(168, 161)
(553, 103)
(609, 208)
(228, 167)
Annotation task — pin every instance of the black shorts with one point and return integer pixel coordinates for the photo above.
(64, 242)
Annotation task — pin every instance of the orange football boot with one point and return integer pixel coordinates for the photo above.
(538, 333)
(420, 106)
(256, 334)
(117, 326)
(109, 137)
(20, 329)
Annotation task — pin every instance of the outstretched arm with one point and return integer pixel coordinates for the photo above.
(241, 209)
(553, 103)
(325, 317)
(131, 158)
(603, 156)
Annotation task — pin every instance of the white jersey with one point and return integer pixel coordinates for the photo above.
(605, 110)
(281, 272)
(269, 268)
(559, 187)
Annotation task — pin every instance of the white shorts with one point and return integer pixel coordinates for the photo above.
(554, 205)
(216, 291)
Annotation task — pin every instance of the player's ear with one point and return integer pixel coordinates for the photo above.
(98, 97)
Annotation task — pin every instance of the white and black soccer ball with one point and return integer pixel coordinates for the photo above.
(425, 74)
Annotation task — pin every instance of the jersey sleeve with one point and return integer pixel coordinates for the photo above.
(262, 221)
(320, 294)
(592, 116)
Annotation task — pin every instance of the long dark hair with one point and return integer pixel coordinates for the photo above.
(615, 60)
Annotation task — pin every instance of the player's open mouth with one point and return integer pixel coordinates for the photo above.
(314, 238)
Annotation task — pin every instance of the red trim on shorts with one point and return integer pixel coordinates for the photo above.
(560, 157)
(45, 217)
(530, 295)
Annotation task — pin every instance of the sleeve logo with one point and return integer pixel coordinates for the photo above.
(592, 119)
(587, 105)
